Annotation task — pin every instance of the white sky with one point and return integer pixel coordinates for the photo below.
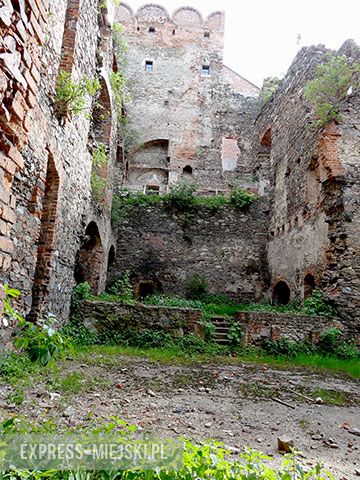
(261, 35)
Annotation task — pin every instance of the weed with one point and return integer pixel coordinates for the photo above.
(240, 198)
(70, 96)
(42, 342)
(197, 286)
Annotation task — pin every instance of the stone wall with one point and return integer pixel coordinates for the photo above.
(163, 249)
(260, 326)
(181, 93)
(51, 180)
(115, 318)
(310, 175)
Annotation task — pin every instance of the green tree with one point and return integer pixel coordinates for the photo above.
(332, 82)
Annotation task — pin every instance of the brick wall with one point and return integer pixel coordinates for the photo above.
(22, 27)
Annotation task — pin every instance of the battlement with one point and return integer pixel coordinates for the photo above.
(183, 17)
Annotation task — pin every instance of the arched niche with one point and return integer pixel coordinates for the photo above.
(90, 259)
(281, 293)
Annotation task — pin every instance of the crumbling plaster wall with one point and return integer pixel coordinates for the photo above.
(67, 146)
(178, 102)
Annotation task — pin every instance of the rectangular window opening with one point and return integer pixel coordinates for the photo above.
(149, 66)
(151, 30)
(207, 34)
(206, 69)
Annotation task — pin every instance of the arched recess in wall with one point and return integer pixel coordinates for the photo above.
(111, 257)
(266, 142)
(281, 293)
(187, 171)
(90, 259)
(309, 285)
(69, 37)
(101, 132)
(46, 243)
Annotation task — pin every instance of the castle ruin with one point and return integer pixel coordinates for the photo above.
(189, 117)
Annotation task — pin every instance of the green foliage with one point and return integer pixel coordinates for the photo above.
(42, 342)
(181, 197)
(332, 343)
(193, 345)
(235, 335)
(150, 339)
(99, 184)
(9, 313)
(327, 90)
(121, 287)
(81, 291)
(14, 365)
(287, 348)
(206, 461)
(197, 286)
(241, 198)
(270, 86)
(316, 305)
(121, 47)
(70, 96)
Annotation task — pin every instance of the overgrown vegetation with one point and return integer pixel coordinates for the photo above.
(71, 96)
(332, 82)
(270, 86)
(205, 461)
(99, 184)
(182, 198)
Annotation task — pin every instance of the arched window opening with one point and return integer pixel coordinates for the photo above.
(90, 258)
(187, 170)
(281, 293)
(44, 262)
(309, 285)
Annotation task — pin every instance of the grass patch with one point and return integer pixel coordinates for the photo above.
(105, 355)
(332, 397)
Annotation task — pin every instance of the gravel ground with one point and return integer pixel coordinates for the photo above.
(232, 403)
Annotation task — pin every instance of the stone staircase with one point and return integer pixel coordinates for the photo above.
(222, 326)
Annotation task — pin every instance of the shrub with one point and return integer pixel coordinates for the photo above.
(332, 81)
(70, 96)
(197, 286)
(122, 289)
(81, 291)
(150, 339)
(286, 347)
(235, 335)
(241, 198)
(316, 305)
(270, 86)
(181, 197)
(41, 341)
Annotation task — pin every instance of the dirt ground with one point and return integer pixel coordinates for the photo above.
(231, 403)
